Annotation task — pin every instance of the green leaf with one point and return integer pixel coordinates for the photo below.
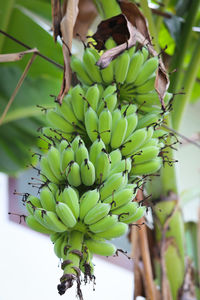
(23, 28)
(166, 40)
(19, 130)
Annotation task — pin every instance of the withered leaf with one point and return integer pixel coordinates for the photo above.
(136, 18)
(56, 18)
(127, 29)
(115, 27)
(87, 14)
(67, 27)
(9, 57)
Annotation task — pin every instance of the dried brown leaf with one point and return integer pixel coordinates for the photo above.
(87, 14)
(127, 29)
(9, 57)
(136, 18)
(67, 27)
(56, 18)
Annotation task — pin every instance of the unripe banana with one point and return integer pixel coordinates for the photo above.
(109, 90)
(100, 247)
(54, 223)
(145, 53)
(54, 236)
(91, 124)
(78, 102)
(70, 197)
(66, 110)
(49, 220)
(95, 149)
(132, 121)
(59, 122)
(65, 214)
(87, 173)
(134, 67)
(150, 131)
(129, 109)
(105, 125)
(63, 145)
(57, 246)
(107, 73)
(119, 133)
(35, 225)
(122, 166)
(54, 159)
(66, 157)
(75, 143)
(136, 216)
(47, 199)
(110, 43)
(120, 198)
(121, 67)
(146, 71)
(145, 154)
(158, 133)
(115, 157)
(113, 183)
(99, 211)
(102, 166)
(134, 141)
(110, 101)
(147, 168)
(148, 86)
(78, 67)
(46, 171)
(131, 51)
(114, 231)
(116, 115)
(92, 95)
(126, 210)
(31, 203)
(81, 154)
(151, 142)
(148, 119)
(90, 66)
(87, 201)
(73, 174)
(148, 99)
(103, 224)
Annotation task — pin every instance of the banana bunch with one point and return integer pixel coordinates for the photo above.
(134, 73)
(102, 141)
(81, 223)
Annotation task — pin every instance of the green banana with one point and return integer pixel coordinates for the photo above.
(99, 211)
(35, 225)
(87, 201)
(87, 173)
(100, 247)
(65, 214)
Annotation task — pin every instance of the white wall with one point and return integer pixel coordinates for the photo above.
(29, 267)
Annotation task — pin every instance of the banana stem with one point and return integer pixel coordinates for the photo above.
(183, 44)
(159, 19)
(151, 25)
(181, 101)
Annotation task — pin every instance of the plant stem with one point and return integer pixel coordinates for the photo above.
(184, 42)
(181, 101)
(151, 25)
(159, 19)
